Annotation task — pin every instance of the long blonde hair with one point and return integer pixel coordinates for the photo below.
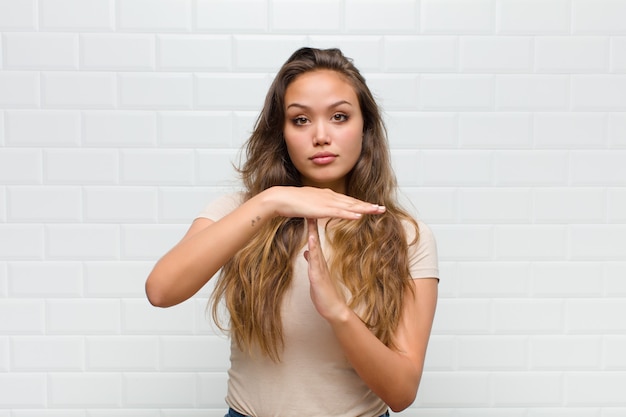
(369, 256)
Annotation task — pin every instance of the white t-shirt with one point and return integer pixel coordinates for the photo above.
(313, 377)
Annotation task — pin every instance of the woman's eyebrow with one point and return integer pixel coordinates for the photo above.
(302, 106)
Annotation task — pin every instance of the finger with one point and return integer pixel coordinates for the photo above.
(312, 228)
(314, 254)
(352, 208)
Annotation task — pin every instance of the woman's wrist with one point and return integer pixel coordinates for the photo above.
(341, 316)
(270, 201)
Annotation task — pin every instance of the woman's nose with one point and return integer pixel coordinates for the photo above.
(320, 135)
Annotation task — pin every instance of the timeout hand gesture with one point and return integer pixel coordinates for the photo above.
(329, 303)
(318, 203)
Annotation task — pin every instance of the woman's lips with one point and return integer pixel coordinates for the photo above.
(323, 158)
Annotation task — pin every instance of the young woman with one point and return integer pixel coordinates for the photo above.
(330, 286)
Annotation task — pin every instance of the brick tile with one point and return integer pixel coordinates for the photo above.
(196, 129)
(169, 390)
(495, 130)
(569, 205)
(230, 91)
(617, 130)
(18, 15)
(457, 16)
(19, 89)
(46, 354)
(87, 15)
(121, 353)
(44, 204)
(139, 317)
(114, 205)
(517, 389)
(599, 92)
(555, 353)
(189, 353)
(495, 54)
(45, 279)
(43, 128)
(146, 167)
(164, 16)
(618, 54)
(82, 241)
(21, 241)
(322, 16)
(78, 90)
(456, 92)
(595, 316)
(267, 53)
(580, 388)
(232, 15)
(22, 317)
(397, 16)
(560, 279)
(116, 279)
(23, 390)
(533, 17)
(85, 390)
(456, 167)
(116, 52)
(573, 130)
(41, 51)
(571, 54)
(420, 130)
(194, 52)
(450, 389)
(83, 316)
(494, 279)
(532, 92)
(531, 168)
(598, 17)
(148, 242)
(421, 54)
(528, 316)
(531, 242)
(81, 166)
(489, 353)
(150, 91)
(110, 129)
(20, 166)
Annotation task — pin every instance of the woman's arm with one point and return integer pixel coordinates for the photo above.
(394, 375)
(208, 245)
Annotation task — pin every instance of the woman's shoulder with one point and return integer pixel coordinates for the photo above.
(423, 257)
(222, 205)
(424, 232)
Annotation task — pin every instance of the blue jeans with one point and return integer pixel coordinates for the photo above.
(233, 413)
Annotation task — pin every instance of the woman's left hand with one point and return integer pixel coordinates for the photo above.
(327, 300)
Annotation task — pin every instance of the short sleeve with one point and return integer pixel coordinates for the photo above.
(423, 259)
(221, 206)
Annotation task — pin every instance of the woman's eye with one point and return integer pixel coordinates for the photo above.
(340, 117)
(299, 121)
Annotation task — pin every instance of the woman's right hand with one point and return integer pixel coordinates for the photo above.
(208, 245)
(318, 203)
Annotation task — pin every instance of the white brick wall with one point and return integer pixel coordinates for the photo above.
(120, 119)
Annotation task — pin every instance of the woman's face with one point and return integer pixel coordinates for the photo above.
(323, 128)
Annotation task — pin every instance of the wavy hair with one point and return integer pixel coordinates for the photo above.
(369, 256)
